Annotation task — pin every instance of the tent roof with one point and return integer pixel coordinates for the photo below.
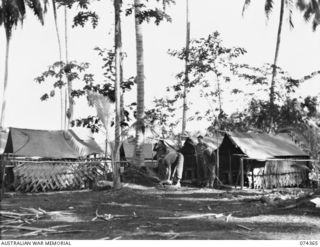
(55, 144)
(265, 146)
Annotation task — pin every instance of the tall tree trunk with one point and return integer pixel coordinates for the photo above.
(219, 99)
(186, 79)
(69, 99)
(122, 117)
(118, 45)
(274, 67)
(62, 111)
(139, 158)
(3, 109)
(5, 82)
(217, 172)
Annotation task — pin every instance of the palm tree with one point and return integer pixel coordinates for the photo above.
(12, 12)
(268, 8)
(139, 159)
(118, 58)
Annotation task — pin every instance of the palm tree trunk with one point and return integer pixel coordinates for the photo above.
(5, 82)
(69, 99)
(139, 159)
(217, 172)
(118, 45)
(184, 106)
(3, 109)
(274, 67)
(60, 59)
(122, 117)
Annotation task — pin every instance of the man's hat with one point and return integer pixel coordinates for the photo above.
(200, 137)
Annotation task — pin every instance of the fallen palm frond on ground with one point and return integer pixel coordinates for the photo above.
(286, 200)
(198, 216)
(21, 221)
(124, 205)
(107, 217)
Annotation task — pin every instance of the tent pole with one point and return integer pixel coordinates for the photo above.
(3, 171)
(218, 158)
(230, 168)
(252, 177)
(242, 173)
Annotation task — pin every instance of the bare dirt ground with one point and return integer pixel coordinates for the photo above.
(141, 212)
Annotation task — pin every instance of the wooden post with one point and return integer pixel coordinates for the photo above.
(252, 177)
(218, 163)
(3, 172)
(242, 173)
(230, 168)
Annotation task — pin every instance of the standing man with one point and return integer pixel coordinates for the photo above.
(189, 152)
(202, 169)
(314, 178)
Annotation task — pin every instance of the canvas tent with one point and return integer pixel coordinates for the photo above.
(190, 160)
(41, 160)
(272, 160)
(50, 144)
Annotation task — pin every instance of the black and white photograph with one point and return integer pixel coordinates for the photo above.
(160, 120)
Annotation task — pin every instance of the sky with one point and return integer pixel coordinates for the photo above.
(34, 48)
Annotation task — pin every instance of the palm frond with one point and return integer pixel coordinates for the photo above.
(21, 7)
(245, 5)
(289, 4)
(37, 8)
(307, 13)
(301, 4)
(316, 19)
(103, 107)
(268, 7)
